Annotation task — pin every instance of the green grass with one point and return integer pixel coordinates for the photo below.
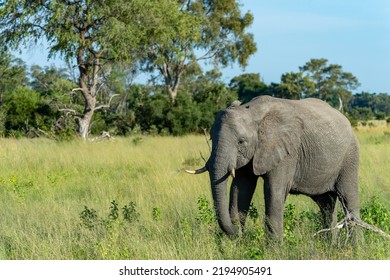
(130, 199)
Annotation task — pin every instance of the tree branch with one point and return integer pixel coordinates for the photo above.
(106, 105)
(345, 222)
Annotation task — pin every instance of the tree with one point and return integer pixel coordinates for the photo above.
(13, 72)
(331, 83)
(294, 86)
(248, 86)
(198, 30)
(366, 105)
(88, 34)
(50, 81)
(24, 110)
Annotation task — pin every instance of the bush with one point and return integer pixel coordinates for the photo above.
(376, 213)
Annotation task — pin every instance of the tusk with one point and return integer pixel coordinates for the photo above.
(198, 171)
(233, 173)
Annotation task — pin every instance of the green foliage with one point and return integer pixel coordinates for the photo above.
(20, 187)
(130, 213)
(198, 30)
(89, 218)
(366, 106)
(294, 86)
(290, 221)
(253, 213)
(156, 214)
(114, 211)
(167, 39)
(248, 86)
(137, 140)
(185, 228)
(13, 72)
(205, 212)
(376, 213)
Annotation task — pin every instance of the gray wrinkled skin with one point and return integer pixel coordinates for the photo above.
(296, 146)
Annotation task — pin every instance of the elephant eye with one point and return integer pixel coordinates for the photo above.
(241, 141)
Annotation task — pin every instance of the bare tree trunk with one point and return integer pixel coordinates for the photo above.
(172, 93)
(88, 88)
(85, 120)
(172, 78)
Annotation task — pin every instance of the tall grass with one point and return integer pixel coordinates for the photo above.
(130, 199)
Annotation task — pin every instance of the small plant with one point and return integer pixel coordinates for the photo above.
(185, 228)
(376, 213)
(20, 188)
(290, 221)
(253, 237)
(312, 219)
(253, 213)
(153, 130)
(137, 140)
(156, 214)
(130, 213)
(255, 253)
(89, 217)
(205, 213)
(114, 211)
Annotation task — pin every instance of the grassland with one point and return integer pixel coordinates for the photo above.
(130, 199)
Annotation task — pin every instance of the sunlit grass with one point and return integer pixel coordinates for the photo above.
(45, 186)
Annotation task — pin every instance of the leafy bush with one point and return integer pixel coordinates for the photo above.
(205, 213)
(376, 213)
(91, 220)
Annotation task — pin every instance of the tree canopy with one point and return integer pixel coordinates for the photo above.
(169, 37)
(195, 31)
(106, 43)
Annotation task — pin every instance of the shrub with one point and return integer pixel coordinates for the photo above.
(205, 213)
(376, 213)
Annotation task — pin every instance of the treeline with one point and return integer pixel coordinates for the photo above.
(105, 44)
(41, 101)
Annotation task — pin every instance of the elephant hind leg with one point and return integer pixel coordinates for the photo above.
(348, 194)
(347, 184)
(327, 204)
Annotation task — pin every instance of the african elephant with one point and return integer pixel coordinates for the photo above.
(296, 146)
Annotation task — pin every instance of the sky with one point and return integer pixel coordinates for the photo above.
(352, 33)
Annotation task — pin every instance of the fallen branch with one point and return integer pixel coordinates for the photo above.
(103, 136)
(345, 223)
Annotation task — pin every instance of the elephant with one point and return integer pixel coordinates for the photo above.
(296, 146)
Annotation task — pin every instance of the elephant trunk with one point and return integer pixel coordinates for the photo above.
(218, 179)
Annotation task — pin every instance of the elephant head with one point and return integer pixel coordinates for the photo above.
(254, 136)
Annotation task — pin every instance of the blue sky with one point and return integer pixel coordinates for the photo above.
(352, 33)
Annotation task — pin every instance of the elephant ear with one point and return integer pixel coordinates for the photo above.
(279, 134)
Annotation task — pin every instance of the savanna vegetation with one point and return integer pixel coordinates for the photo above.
(130, 199)
(106, 45)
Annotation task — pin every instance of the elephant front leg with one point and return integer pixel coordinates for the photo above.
(274, 198)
